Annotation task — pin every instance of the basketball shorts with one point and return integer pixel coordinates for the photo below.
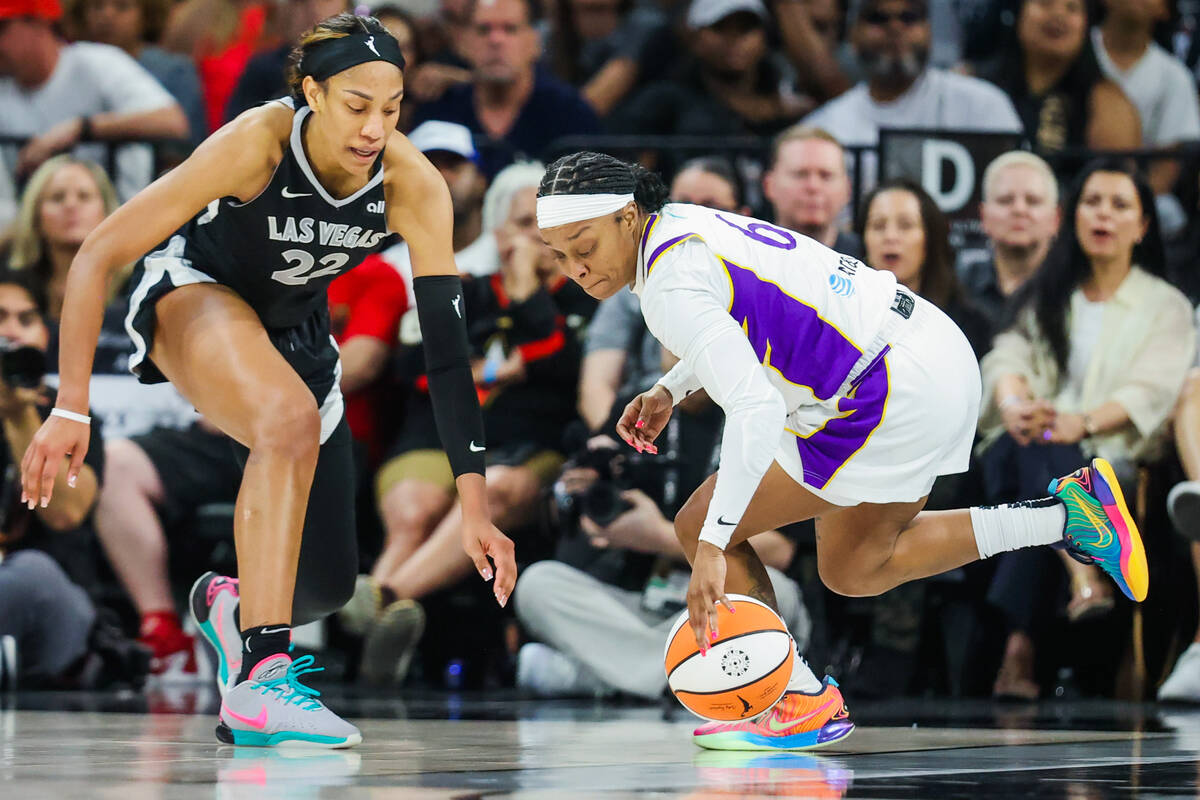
(909, 418)
(308, 348)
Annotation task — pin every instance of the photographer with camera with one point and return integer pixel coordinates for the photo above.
(49, 618)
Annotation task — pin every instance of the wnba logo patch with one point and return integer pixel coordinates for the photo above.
(841, 285)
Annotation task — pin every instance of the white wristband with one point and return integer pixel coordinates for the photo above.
(71, 415)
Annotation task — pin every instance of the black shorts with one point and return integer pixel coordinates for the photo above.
(196, 467)
(308, 347)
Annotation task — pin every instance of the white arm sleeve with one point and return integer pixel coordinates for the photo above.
(680, 381)
(688, 311)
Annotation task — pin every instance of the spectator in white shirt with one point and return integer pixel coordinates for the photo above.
(58, 95)
(1158, 84)
(891, 39)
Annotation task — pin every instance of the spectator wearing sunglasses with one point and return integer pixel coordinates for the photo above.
(891, 40)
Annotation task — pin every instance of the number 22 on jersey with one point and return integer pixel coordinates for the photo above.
(302, 262)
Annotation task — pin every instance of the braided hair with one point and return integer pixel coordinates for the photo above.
(598, 173)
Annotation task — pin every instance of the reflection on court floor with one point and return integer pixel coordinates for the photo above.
(63, 746)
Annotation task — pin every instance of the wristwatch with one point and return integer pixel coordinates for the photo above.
(1089, 425)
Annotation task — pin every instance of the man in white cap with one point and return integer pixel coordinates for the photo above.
(451, 148)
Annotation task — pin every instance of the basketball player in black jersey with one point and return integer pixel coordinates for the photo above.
(230, 306)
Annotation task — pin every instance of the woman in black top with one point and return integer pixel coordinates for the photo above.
(231, 307)
(1051, 74)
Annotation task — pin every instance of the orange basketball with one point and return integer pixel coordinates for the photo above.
(746, 670)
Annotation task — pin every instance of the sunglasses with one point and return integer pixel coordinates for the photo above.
(906, 18)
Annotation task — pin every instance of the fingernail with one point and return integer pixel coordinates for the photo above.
(487, 574)
(641, 423)
(703, 652)
(45, 502)
(503, 600)
(32, 504)
(713, 636)
(71, 481)
(733, 609)
(24, 496)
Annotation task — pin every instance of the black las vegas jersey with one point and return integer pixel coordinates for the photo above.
(282, 249)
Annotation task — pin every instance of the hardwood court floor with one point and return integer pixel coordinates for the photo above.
(450, 746)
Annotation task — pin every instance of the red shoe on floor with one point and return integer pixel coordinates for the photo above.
(172, 652)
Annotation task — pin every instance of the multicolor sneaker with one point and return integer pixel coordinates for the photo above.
(1100, 530)
(273, 707)
(213, 600)
(798, 721)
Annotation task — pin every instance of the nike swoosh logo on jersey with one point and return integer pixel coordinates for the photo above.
(288, 194)
(474, 448)
(721, 521)
(258, 722)
(775, 727)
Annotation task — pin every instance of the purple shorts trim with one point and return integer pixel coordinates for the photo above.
(827, 450)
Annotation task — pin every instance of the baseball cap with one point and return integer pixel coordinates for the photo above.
(703, 13)
(448, 137)
(49, 10)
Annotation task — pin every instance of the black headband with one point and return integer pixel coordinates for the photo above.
(332, 56)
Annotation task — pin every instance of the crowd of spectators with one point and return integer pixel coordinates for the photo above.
(1081, 310)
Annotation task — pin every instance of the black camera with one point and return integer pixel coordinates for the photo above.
(618, 470)
(21, 366)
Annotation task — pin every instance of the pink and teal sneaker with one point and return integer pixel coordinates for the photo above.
(214, 599)
(272, 707)
(1100, 530)
(798, 721)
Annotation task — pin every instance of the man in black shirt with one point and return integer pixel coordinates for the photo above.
(1020, 216)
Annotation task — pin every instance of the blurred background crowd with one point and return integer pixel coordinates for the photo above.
(1030, 166)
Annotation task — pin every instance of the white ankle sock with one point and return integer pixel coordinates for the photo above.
(1013, 526)
(803, 678)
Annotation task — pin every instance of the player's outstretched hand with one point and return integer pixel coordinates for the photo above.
(705, 591)
(645, 417)
(57, 439)
(483, 540)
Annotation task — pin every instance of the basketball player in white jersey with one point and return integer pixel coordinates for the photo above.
(845, 397)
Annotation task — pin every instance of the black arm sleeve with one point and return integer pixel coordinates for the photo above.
(440, 307)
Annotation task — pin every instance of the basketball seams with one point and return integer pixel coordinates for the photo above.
(723, 640)
(752, 615)
(773, 675)
(747, 698)
(772, 671)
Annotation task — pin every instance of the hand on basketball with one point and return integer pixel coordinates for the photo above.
(705, 591)
(57, 439)
(644, 419)
(483, 540)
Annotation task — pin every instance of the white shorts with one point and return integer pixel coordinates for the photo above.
(910, 419)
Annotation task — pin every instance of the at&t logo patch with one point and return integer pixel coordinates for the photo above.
(841, 285)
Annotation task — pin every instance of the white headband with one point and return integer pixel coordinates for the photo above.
(563, 209)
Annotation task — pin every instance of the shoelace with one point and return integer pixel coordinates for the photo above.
(291, 690)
